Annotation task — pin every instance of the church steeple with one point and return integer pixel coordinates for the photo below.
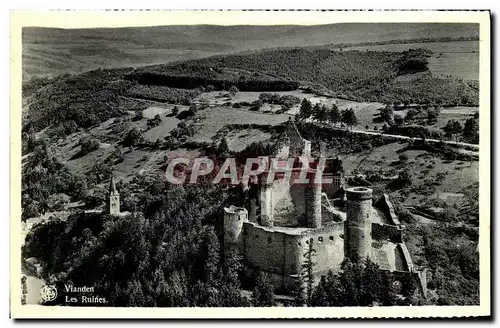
(112, 186)
(113, 201)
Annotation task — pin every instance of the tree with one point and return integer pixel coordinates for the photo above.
(329, 292)
(230, 288)
(257, 104)
(452, 128)
(137, 116)
(211, 255)
(403, 158)
(152, 122)
(233, 90)
(305, 109)
(223, 148)
(349, 279)
(349, 118)
(307, 273)
(175, 110)
(322, 114)
(193, 108)
(133, 137)
(432, 115)
(405, 177)
(334, 115)
(316, 111)
(411, 114)
(471, 131)
(388, 296)
(387, 114)
(371, 284)
(398, 120)
(263, 293)
(88, 145)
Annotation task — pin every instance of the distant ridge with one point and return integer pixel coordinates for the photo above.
(53, 51)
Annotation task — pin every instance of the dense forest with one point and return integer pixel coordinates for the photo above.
(169, 253)
(73, 101)
(357, 75)
(219, 78)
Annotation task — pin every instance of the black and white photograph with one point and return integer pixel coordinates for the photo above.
(265, 167)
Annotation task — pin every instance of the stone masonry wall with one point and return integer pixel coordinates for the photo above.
(282, 254)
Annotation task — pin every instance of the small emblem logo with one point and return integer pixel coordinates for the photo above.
(49, 293)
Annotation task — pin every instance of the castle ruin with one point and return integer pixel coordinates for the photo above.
(282, 220)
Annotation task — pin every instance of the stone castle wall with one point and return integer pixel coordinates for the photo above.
(387, 232)
(385, 205)
(288, 203)
(281, 254)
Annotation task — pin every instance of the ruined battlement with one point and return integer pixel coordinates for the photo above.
(286, 221)
(280, 251)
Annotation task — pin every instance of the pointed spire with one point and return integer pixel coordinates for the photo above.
(112, 186)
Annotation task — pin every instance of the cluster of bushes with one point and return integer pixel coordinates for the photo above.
(413, 60)
(254, 105)
(423, 115)
(469, 133)
(343, 141)
(183, 129)
(88, 145)
(32, 85)
(163, 94)
(272, 129)
(414, 131)
(276, 99)
(441, 149)
(426, 89)
(133, 137)
(155, 121)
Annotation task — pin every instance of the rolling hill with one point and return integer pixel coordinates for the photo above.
(53, 51)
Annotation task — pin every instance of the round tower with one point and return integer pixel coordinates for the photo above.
(233, 226)
(358, 224)
(313, 205)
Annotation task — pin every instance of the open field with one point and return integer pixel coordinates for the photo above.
(239, 140)
(459, 59)
(214, 118)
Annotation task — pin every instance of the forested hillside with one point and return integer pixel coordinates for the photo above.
(357, 75)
